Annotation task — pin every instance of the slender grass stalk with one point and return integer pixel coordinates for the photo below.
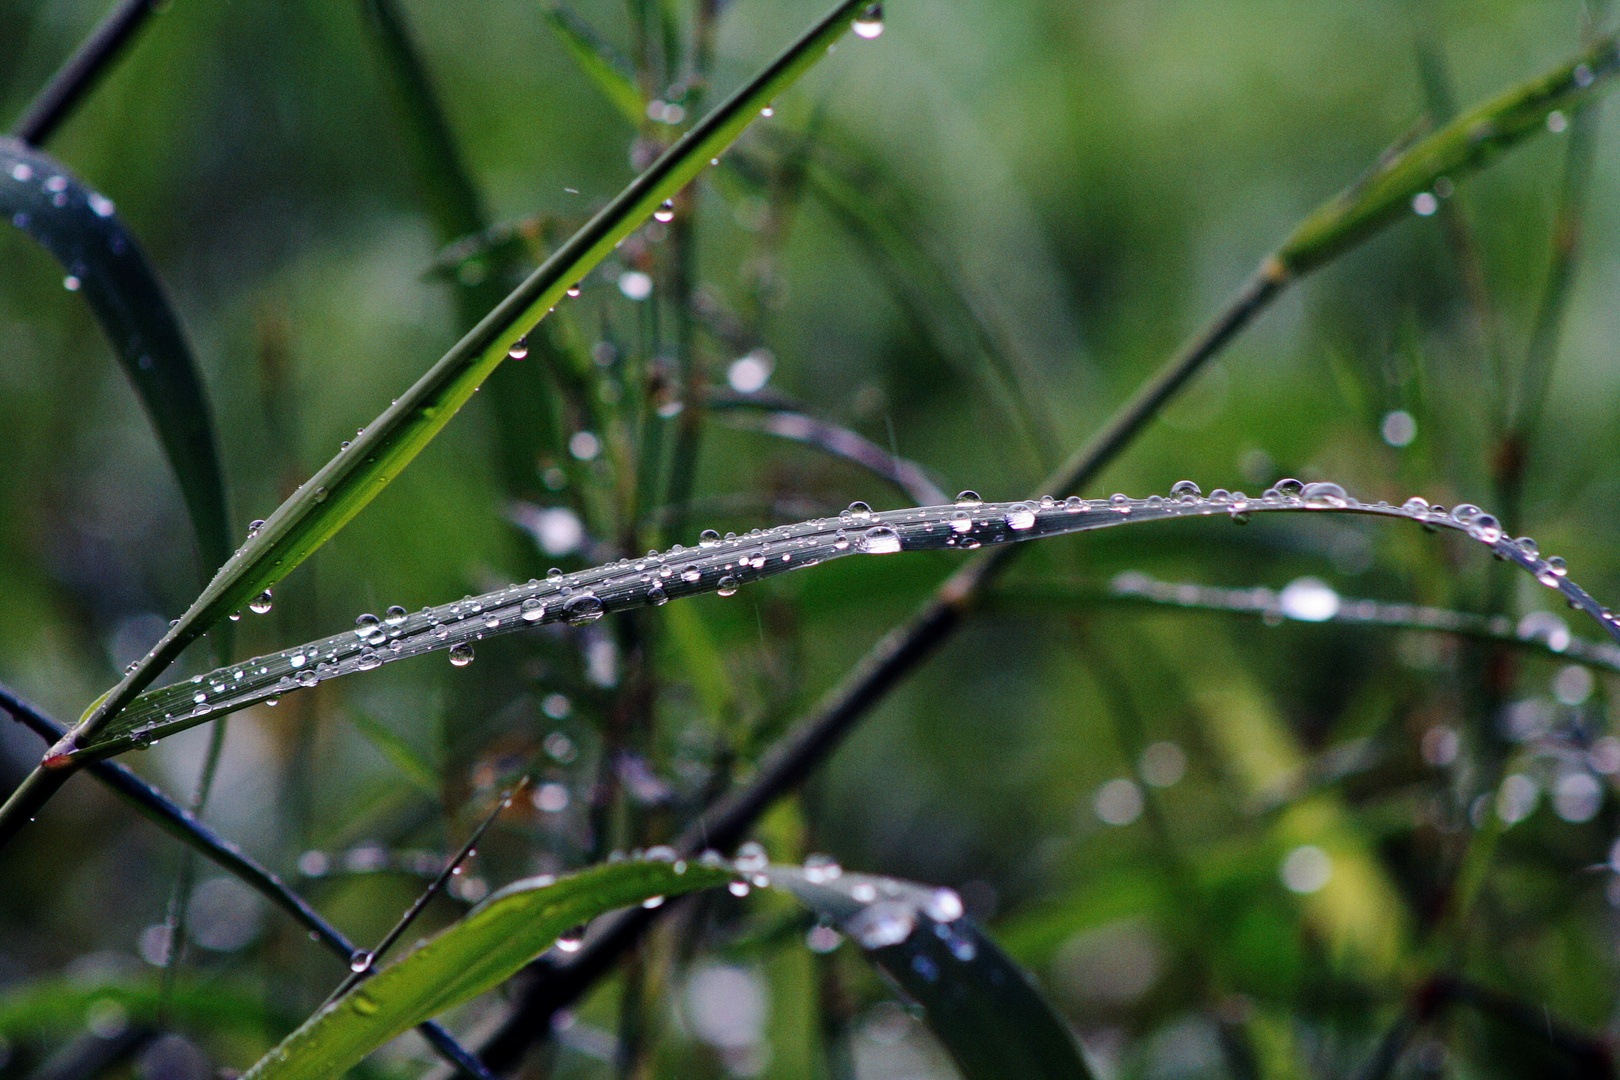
(339, 490)
(1541, 634)
(183, 824)
(83, 70)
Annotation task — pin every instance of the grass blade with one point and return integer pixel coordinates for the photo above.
(81, 71)
(79, 227)
(1467, 143)
(725, 565)
(398, 753)
(473, 956)
(977, 1002)
(592, 56)
(340, 489)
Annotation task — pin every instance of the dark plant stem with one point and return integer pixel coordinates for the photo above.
(79, 75)
(810, 741)
(183, 824)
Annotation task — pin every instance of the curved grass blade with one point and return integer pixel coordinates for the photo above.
(80, 73)
(977, 1002)
(1540, 632)
(326, 502)
(725, 565)
(80, 229)
(491, 944)
(786, 422)
(594, 58)
(1467, 143)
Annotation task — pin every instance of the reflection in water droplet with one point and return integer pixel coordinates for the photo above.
(461, 654)
(869, 24)
(880, 540)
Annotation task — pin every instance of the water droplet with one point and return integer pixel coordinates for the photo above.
(1324, 494)
(1556, 565)
(1308, 599)
(727, 586)
(71, 283)
(1583, 76)
(1021, 516)
(738, 888)
(885, 923)
(492, 621)
(968, 498)
(1424, 203)
(944, 905)
(395, 615)
(1074, 504)
(307, 677)
(532, 610)
(1289, 486)
(880, 540)
(1417, 504)
(582, 608)
(360, 962)
(1528, 546)
(708, 538)
(1121, 503)
(1487, 529)
(461, 654)
(365, 626)
(1185, 491)
(751, 858)
(767, 112)
(653, 902)
(961, 521)
(665, 212)
(869, 24)
(260, 604)
(368, 660)
(254, 526)
(859, 511)
(819, 869)
(572, 940)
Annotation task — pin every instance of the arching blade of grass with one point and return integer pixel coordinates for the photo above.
(318, 509)
(79, 74)
(723, 566)
(475, 955)
(592, 56)
(80, 229)
(976, 1001)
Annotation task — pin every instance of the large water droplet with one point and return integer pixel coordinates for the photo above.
(572, 940)
(461, 654)
(708, 538)
(880, 540)
(727, 586)
(961, 521)
(1021, 516)
(1324, 494)
(395, 615)
(532, 610)
(368, 660)
(1289, 486)
(260, 604)
(968, 498)
(1185, 491)
(882, 924)
(365, 626)
(583, 607)
(869, 24)
(360, 962)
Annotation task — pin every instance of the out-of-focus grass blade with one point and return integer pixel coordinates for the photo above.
(79, 227)
(502, 934)
(398, 753)
(977, 1002)
(326, 502)
(53, 1009)
(1463, 145)
(595, 60)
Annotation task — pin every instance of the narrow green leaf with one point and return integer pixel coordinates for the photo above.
(326, 502)
(476, 954)
(79, 227)
(725, 565)
(595, 60)
(976, 1001)
(1467, 143)
(398, 753)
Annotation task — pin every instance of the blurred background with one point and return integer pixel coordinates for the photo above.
(1225, 845)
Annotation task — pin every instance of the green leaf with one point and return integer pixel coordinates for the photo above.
(55, 1009)
(79, 227)
(1467, 143)
(476, 954)
(330, 498)
(977, 1002)
(595, 60)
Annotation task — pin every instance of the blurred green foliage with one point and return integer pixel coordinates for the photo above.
(1072, 187)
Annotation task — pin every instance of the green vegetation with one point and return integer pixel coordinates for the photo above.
(1328, 795)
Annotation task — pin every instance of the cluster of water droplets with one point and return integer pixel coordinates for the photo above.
(725, 564)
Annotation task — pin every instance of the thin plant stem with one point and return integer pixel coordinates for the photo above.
(81, 72)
